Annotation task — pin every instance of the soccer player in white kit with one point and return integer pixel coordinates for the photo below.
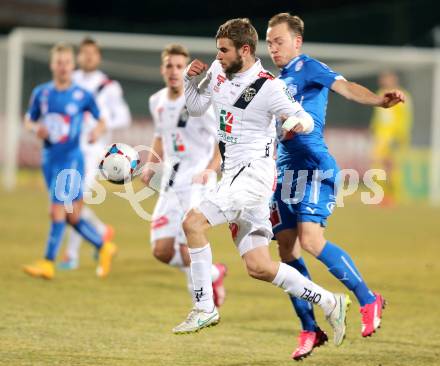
(245, 98)
(187, 147)
(114, 109)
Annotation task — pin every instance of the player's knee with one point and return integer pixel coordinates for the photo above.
(72, 219)
(259, 271)
(193, 222)
(311, 243)
(163, 254)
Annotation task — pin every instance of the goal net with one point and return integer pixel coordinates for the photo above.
(134, 61)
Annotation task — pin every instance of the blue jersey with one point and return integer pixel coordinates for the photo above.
(309, 81)
(62, 112)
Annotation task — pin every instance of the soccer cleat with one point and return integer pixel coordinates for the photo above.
(372, 315)
(43, 268)
(307, 341)
(197, 319)
(68, 264)
(218, 288)
(337, 318)
(106, 254)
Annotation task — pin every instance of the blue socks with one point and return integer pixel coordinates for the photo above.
(88, 232)
(342, 267)
(55, 237)
(303, 308)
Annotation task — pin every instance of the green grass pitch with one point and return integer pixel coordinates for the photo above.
(126, 319)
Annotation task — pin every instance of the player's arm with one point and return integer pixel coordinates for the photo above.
(101, 126)
(197, 96)
(155, 156)
(360, 94)
(119, 115)
(285, 107)
(31, 120)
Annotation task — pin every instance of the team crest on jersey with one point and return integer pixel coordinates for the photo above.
(289, 94)
(299, 65)
(78, 95)
(293, 89)
(249, 94)
(71, 109)
(183, 117)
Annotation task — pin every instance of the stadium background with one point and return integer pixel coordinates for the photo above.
(126, 319)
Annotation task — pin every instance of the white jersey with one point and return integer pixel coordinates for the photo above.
(188, 142)
(244, 107)
(109, 98)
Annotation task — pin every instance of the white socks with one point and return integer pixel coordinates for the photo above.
(301, 287)
(201, 264)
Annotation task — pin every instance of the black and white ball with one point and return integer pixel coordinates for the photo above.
(119, 163)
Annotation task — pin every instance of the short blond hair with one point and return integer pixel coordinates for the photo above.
(293, 22)
(175, 49)
(61, 47)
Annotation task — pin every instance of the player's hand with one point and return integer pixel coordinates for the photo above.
(146, 175)
(42, 132)
(291, 129)
(204, 176)
(196, 67)
(391, 98)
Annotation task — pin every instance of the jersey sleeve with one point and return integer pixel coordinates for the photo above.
(282, 104)
(319, 73)
(152, 104)
(91, 106)
(198, 96)
(34, 111)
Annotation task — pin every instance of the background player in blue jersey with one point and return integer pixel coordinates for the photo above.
(303, 219)
(55, 114)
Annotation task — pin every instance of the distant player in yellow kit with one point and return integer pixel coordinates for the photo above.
(391, 130)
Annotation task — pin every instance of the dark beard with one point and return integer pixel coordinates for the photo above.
(235, 67)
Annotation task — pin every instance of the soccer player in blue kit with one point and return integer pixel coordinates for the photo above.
(55, 115)
(302, 219)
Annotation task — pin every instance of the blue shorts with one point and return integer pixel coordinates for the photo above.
(64, 178)
(303, 193)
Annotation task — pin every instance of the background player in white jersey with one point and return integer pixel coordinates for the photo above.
(114, 109)
(188, 147)
(245, 98)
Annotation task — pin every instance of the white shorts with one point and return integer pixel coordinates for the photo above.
(170, 209)
(242, 198)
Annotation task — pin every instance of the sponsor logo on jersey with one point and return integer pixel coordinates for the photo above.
(275, 217)
(178, 145)
(226, 121)
(266, 75)
(299, 65)
(220, 80)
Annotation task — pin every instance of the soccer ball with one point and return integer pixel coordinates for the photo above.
(119, 163)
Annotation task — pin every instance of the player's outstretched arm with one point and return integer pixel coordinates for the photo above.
(360, 94)
(198, 97)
